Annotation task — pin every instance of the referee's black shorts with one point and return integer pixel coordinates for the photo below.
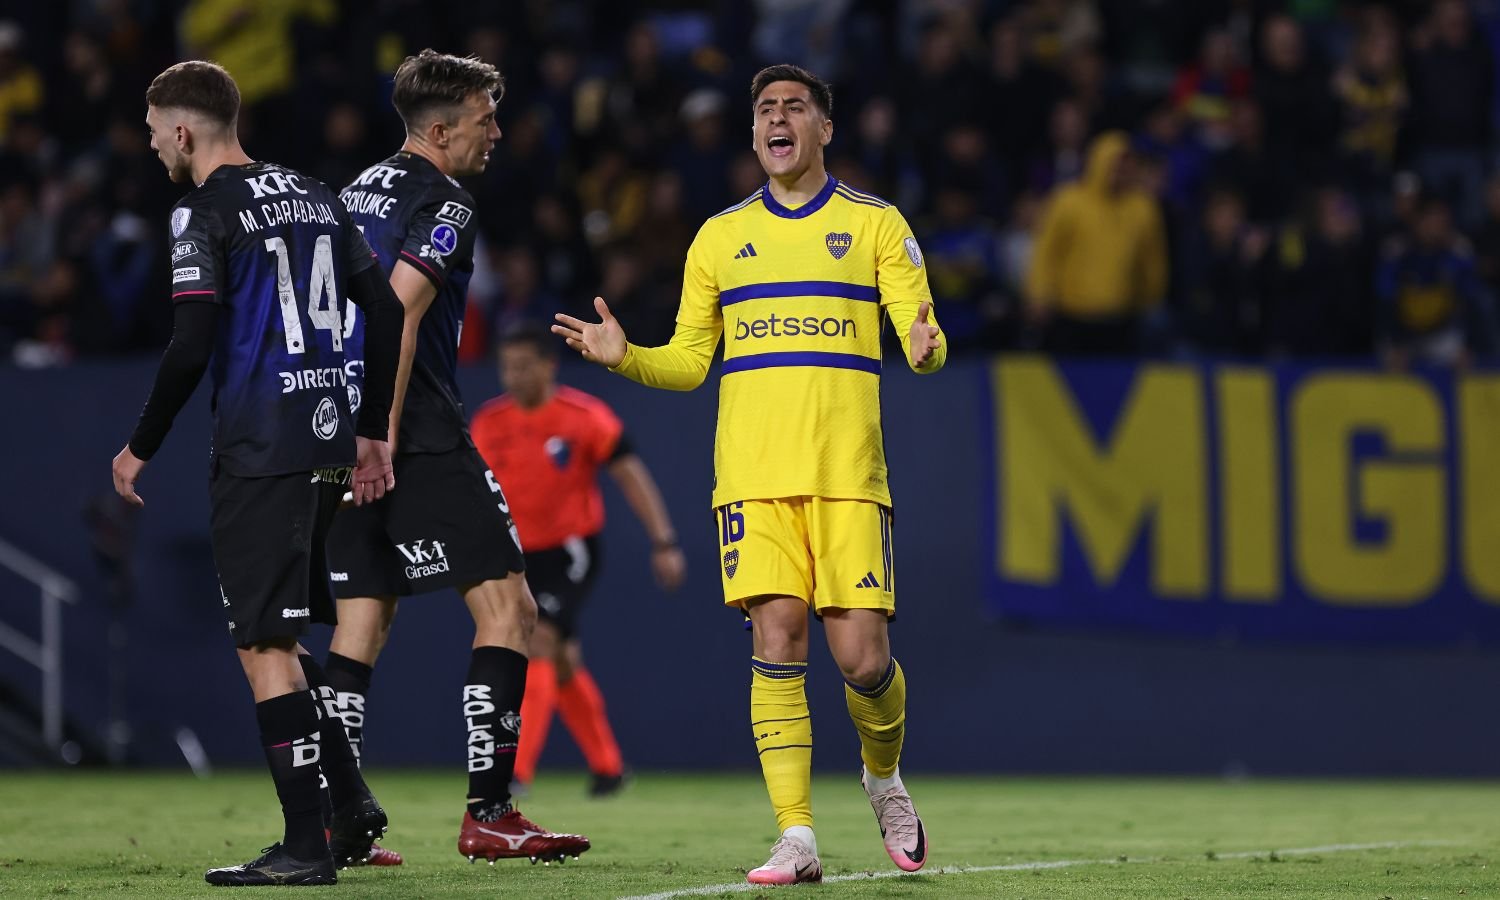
(560, 579)
(445, 525)
(268, 537)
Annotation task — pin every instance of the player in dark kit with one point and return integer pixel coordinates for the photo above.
(548, 442)
(263, 258)
(449, 525)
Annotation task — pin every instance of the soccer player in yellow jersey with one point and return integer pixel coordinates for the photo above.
(795, 279)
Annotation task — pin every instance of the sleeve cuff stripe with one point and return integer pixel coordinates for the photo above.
(430, 271)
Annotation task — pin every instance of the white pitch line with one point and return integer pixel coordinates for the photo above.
(737, 886)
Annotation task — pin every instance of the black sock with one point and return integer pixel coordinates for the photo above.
(350, 680)
(341, 770)
(492, 704)
(288, 731)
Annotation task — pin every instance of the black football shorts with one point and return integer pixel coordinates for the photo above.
(445, 525)
(268, 538)
(560, 579)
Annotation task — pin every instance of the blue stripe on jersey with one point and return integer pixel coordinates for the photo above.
(772, 289)
(853, 199)
(817, 358)
(740, 205)
(865, 195)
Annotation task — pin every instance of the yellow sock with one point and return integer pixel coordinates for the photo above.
(879, 715)
(783, 737)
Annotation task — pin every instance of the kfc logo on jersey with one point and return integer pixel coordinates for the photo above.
(426, 558)
(182, 250)
(325, 420)
(273, 183)
(386, 175)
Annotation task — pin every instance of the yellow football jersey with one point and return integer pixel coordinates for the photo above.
(797, 295)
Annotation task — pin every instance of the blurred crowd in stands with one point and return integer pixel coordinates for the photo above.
(1311, 178)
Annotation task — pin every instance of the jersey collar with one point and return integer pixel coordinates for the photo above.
(816, 203)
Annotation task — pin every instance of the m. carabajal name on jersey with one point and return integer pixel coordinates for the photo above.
(800, 294)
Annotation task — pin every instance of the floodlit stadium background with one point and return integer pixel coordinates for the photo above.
(1208, 488)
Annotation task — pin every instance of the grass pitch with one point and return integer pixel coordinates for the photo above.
(91, 834)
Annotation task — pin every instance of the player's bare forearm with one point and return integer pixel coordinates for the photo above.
(416, 293)
(644, 497)
(639, 488)
(403, 374)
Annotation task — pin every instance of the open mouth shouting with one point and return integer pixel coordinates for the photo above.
(780, 146)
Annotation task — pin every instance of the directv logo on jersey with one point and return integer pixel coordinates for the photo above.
(333, 376)
(425, 560)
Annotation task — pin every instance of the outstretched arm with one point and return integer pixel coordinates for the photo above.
(680, 365)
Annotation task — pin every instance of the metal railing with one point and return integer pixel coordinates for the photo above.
(46, 653)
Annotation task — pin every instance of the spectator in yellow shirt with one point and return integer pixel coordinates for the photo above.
(1100, 262)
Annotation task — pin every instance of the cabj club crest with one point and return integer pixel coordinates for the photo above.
(731, 562)
(839, 243)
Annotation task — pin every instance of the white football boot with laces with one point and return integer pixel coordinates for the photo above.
(791, 862)
(900, 827)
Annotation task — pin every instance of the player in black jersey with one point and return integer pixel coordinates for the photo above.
(449, 525)
(263, 258)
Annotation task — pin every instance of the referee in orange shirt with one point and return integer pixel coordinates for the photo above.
(546, 443)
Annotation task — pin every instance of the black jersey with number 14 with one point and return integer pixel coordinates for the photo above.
(411, 212)
(275, 250)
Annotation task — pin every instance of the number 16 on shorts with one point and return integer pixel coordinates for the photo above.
(731, 523)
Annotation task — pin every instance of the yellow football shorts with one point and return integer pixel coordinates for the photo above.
(827, 552)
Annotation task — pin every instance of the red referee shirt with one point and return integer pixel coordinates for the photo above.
(547, 459)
